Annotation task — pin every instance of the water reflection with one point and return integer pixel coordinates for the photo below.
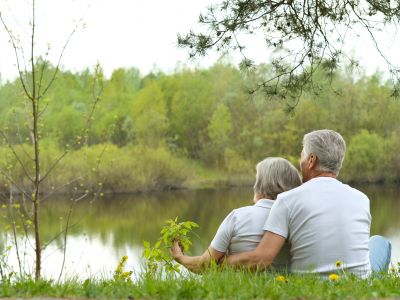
(107, 229)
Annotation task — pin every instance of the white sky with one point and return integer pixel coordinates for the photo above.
(132, 33)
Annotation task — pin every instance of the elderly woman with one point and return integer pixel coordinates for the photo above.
(242, 229)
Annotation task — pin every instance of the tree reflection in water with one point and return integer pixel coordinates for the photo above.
(121, 223)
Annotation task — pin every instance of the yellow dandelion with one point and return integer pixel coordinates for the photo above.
(338, 264)
(280, 278)
(334, 277)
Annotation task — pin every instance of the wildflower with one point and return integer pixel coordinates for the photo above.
(338, 264)
(334, 277)
(281, 278)
(119, 274)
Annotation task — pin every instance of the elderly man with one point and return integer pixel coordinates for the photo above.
(326, 222)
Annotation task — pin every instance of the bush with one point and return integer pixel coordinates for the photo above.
(366, 159)
(235, 164)
(127, 169)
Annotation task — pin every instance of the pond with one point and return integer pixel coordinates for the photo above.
(106, 229)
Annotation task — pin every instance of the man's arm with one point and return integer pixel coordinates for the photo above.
(262, 256)
(196, 264)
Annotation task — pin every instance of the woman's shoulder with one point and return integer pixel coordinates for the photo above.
(249, 210)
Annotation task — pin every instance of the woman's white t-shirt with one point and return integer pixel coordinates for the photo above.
(242, 230)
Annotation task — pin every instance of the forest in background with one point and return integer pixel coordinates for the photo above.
(195, 128)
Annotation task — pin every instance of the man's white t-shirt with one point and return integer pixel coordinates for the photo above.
(242, 230)
(324, 221)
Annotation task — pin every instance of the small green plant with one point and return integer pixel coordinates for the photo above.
(158, 257)
(119, 274)
(6, 271)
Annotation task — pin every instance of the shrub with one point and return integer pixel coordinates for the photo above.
(365, 159)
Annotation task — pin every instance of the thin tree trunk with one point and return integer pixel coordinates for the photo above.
(35, 116)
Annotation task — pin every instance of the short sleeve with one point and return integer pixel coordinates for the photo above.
(224, 233)
(278, 219)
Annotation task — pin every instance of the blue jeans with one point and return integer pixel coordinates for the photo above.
(380, 250)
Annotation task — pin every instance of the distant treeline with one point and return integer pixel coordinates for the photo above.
(161, 130)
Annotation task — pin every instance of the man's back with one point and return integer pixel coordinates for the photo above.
(324, 221)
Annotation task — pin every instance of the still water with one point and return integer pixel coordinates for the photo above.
(106, 229)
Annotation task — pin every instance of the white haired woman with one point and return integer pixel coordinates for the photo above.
(242, 229)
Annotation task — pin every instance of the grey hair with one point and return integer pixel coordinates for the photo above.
(275, 175)
(329, 146)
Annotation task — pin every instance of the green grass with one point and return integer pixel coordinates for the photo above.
(226, 284)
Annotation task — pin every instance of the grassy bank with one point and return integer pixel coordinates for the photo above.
(113, 169)
(212, 285)
(137, 168)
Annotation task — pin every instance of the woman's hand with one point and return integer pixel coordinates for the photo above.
(177, 252)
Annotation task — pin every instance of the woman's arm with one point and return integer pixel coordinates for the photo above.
(221, 241)
(196, 264)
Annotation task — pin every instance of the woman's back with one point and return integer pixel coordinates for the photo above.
(242, 230)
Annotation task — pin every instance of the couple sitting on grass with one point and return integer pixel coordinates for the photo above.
(320, 226)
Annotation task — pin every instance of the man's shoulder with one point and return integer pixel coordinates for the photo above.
(354, 191)
(311, 187)
(294, 193)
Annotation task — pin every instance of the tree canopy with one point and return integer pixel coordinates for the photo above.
(205, 116)
(303, 34)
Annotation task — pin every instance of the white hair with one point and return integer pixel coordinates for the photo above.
(329, 146)
(275, 175)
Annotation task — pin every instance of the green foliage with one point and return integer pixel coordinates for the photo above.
(156, 127)
(6, 273)
(235, 164)
(219, 129)
(149, 115)
(120, 274)
(126, 169)
(365, 152)
(302, 36)
(228, 284)
(157, 257)
(220, 125)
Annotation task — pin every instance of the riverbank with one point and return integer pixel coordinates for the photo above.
(108, 169)
(212, 285)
